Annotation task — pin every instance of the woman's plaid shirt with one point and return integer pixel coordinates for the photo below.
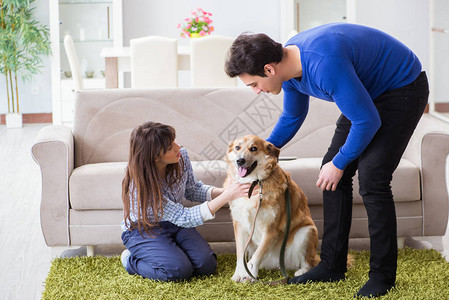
(187, 187)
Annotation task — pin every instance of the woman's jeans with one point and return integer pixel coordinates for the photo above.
(400, 110)
(173, 253)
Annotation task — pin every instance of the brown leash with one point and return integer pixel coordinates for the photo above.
(284, 243)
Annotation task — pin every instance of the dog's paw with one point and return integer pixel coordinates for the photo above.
(241, 277)
(301, 271)
(253, 268)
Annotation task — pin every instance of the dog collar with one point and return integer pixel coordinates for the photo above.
(253, 185)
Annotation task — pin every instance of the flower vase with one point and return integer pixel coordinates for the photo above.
(194, 35)
(13, 120)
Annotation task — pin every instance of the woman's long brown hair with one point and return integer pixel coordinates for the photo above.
(142, 178)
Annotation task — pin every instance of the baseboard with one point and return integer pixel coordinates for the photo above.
(442, 107)
(32, 118)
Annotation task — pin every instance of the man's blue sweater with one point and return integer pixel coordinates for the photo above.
(350, 65)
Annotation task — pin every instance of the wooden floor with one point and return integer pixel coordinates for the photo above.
(24, 257)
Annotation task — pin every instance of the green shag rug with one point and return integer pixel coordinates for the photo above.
(422, 274)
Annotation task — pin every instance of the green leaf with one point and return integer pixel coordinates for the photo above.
(23, 41)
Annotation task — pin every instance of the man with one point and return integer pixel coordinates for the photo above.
(377, 84)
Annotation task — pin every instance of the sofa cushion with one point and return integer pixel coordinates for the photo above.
(206, 120)
(98, 186)
(406, 183)
(211, 172)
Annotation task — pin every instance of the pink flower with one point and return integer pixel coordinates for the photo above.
(199, 22)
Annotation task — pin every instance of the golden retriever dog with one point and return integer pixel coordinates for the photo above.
(250, 158)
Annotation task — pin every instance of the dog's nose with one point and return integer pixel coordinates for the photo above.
(241, 161)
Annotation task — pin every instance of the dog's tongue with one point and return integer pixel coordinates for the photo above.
(242, 171)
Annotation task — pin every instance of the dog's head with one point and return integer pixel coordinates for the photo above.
(250, 158)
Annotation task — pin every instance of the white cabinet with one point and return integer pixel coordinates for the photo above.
(67, 97)
(312, 13)
(300, 15)
(93, 25)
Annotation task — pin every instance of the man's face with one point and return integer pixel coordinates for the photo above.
(270, 84)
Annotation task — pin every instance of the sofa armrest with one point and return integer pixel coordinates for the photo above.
(53, 151)
(429, 148)
(434, 152)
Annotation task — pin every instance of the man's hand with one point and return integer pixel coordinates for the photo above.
(329, 177)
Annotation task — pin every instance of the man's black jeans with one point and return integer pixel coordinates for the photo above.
(400, 110)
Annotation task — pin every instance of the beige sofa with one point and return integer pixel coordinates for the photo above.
(82, 169)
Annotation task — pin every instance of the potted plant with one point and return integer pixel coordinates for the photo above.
(199, 24)
(23, 41)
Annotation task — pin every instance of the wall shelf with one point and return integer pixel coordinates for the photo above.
(77, 2)
(93, 25)
(91, 41)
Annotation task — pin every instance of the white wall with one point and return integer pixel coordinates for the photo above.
(230, 17)
(155, 17)
(313, 13)
(441, 51)
(410, 21)
(406, 20)
(34, 95)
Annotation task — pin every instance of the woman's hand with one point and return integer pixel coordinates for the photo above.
(216, 191)
(236, 190)
(329, 177)
(233, 191)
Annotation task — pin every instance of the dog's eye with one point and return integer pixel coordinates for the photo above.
(252, 149)
(237, 148)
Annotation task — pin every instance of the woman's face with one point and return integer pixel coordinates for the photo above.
(172, 155)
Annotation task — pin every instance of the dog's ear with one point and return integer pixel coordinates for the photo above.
(272, 150)
(230, 146)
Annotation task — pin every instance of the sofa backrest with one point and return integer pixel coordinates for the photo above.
(205, 119)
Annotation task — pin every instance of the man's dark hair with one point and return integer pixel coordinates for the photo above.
(249, 54)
